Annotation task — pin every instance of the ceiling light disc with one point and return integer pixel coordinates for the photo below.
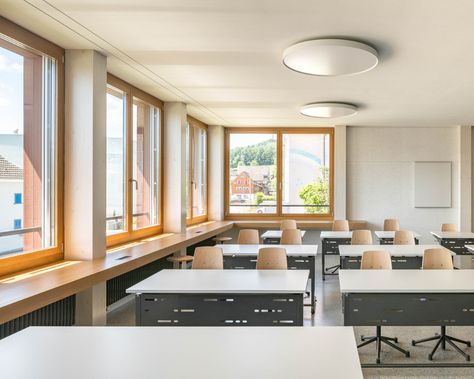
(330, 57)
(328, 110)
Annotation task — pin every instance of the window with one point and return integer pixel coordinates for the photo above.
(196, 171)
(133, 163)
(279, 173)
(17, 198)
(17, 224)
(31, 102)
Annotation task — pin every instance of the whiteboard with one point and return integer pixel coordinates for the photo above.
(432, 184)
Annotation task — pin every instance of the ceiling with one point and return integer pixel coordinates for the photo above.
(223, 57)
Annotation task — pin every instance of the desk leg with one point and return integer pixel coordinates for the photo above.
(312, 275)
(323, 261)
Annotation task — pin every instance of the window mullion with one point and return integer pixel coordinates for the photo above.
(129, 161)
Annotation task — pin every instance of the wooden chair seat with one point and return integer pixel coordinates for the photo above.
(181, 259)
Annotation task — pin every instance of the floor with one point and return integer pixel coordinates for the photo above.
(329, 312)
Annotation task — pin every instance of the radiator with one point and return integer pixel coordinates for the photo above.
(60, 313)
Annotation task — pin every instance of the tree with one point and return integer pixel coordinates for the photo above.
(316, 193)
(263, 153)
(259, 197)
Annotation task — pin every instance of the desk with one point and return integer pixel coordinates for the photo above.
(330, 246)
(408, 298)
(149, 353)
(386, 238)
(455, 241)
(221, 298)
(300, 257)
(403, 256)
(272, 237)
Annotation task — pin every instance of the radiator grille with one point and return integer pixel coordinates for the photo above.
(60, 313)
(116, 287)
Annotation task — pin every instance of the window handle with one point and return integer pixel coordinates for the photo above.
(136, 183)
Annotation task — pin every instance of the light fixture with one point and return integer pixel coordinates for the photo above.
(328, 110)
(330, 57)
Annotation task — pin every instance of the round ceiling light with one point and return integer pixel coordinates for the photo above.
(328, 110)
(330, 57)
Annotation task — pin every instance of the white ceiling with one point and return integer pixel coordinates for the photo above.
(223, 57)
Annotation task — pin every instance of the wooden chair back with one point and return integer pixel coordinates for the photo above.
(391, 225)
(208, 258)
(376, 260)
(403, 237)
(361, 237)
(340, 226)
(449, 228)
(272, 258)
(291, 237)
(288, 224)
(437, 259)
(248, 237)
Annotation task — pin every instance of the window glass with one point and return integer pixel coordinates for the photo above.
(28, 122)
(116, 155)
(252, 173)
(305, 174)
(145, 178)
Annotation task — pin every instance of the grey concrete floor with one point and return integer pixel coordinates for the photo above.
(329, 313)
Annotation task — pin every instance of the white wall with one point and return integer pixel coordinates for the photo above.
(380, 175)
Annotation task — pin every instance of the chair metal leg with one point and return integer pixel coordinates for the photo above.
(443, 339)
(379, 339)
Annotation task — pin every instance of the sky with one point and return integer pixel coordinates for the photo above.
(11, 92)
(241, 140)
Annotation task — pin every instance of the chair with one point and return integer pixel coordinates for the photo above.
(449, 228)
(248, 237)
(361, 237)
(391, 225)
(208, 258)
(376, 260)
(288, 224)
(291, 237)
(272, 258)
(340, 226)
(440, 259)
(221, 240)
(403, 237)
(379, 260)
(181, 260)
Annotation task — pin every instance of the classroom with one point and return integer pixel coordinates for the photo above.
(208, 189)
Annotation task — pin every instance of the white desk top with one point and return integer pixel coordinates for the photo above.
(252, 250)
(151, 352)
(386, 234)
(406, 281)
(224, 281)
(470, 248)
(453, 235)
(394, 250)
(277, 234)
(335, 235)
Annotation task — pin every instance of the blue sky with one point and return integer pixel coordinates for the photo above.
(11, 92)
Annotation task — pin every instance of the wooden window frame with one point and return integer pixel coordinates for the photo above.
(191, 220)
(129, 234)
(278, 215)
(23, 39)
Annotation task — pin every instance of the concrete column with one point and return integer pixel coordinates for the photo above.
(215, 181)
(340, 172)
(85, 172)
(174, 166)
(465, 168)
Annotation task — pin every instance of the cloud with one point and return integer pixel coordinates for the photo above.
(8, 66)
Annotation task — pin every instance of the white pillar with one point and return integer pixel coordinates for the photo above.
(340, 172)
(85, 172)
(174, 165)
(465, 168)
(215, 181)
